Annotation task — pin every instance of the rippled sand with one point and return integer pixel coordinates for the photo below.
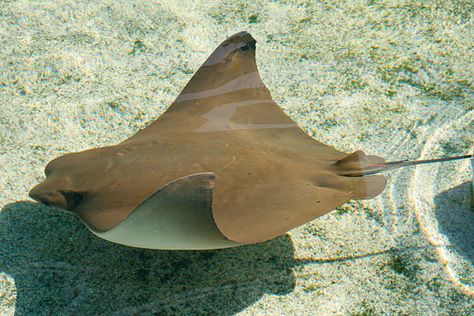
(391, 78)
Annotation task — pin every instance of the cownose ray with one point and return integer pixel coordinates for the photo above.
(222, 167)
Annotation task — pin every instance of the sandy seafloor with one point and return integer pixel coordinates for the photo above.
(393, 78)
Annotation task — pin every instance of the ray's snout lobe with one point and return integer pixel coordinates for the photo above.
(63, 199)
(48, 197)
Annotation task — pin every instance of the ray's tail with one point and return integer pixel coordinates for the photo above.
(359, 164)
(405, 163)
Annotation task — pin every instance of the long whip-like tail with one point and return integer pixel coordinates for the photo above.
(352, 167)
(406, 163)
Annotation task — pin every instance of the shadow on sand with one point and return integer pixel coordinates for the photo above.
(60, 268)
(455, 217)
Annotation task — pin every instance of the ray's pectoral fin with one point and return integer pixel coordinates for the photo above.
(177, 216)
(226, 94)
(367, 187)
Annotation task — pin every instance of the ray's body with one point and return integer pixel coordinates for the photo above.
(223, 151)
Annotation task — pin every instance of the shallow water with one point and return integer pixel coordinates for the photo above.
(391, 78)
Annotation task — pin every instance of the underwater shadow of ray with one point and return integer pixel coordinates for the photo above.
(455, 218)
(59, 267)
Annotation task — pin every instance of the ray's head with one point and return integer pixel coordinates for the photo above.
(63, 186)
(50, 196)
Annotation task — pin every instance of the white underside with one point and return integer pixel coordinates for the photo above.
(148, 227)
(171, 219)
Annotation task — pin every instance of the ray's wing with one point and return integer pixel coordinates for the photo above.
(256, 211)
(225, 94)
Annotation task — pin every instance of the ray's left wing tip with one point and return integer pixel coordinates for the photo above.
(242, 36)
(240, 39)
